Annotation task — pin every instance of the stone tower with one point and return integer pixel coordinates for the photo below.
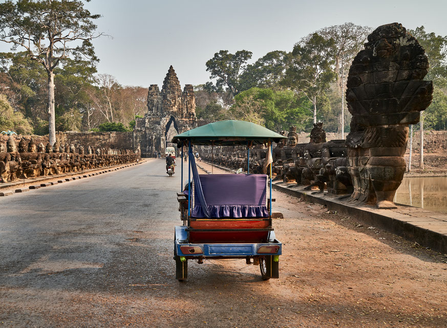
(170, 112)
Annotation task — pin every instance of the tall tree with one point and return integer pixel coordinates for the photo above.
(435, 47)
(49, 31)
(266, 72)
(349, 39)
(228, 68)
(310, 69)
(11, 120)
(436, 50)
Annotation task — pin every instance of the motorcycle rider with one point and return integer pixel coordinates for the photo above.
(169, 162)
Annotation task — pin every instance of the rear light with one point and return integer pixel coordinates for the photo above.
(191, 250)
(268, 249)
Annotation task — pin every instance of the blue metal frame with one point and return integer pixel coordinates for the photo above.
(223, 249)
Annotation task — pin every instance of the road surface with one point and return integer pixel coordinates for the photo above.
(97, 252)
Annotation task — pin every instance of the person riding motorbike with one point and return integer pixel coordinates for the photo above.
(169, 161)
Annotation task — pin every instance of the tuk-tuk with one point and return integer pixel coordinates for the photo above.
(226, 215)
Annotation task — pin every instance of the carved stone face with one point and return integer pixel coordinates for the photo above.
(2, 147)
(22, 146)
(40, 148)
(48, 148)
(32, 148)
(11, 145)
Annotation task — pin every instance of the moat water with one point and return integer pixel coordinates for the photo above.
(429, 193)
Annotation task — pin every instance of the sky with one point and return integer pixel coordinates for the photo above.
(145, 37)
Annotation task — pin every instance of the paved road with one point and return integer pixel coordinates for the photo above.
(97, 252)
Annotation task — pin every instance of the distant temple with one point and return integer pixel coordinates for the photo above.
(170, 112)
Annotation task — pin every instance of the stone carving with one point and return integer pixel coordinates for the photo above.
(170, 112)
(318, 164)
(30, 160)
(385, 94)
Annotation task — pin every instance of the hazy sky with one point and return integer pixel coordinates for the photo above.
(147, 36)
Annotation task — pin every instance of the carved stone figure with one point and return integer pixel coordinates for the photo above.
(4, 163)
(31, 161)
(385, 94)
(15, 161)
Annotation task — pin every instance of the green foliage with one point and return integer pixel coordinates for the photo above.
(435, 116)
(49, 32)
(71, 120)
(277, 110)
(10, 120)
(266, 72)
(132, 123)
(212, 112)
(40, 127)
(227, 68)
(435, 47)
(112, 126)
(311, 70)
(436, 113)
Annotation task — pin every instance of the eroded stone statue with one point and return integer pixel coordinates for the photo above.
(385, 94)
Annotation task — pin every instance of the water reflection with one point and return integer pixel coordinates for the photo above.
(428, 193)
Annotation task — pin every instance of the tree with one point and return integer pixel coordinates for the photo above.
(266, 72)
(436, 114)
(228, 68)
(107, 94)
(72, 81)
(24, 83)
(277, 109)
(349, 40)
(310, 69)
(247, 109)
(212, 112)
(49, 31)
(13, 121)
(112, 126)
(435, 47)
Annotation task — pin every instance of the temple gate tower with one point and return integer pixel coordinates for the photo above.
(170, 112)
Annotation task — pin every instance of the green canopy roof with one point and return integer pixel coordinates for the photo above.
(229, 132)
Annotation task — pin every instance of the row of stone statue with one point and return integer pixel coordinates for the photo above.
(31, 160)
(317, 163)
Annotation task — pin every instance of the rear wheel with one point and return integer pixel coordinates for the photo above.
(269, 268)
(263, 265)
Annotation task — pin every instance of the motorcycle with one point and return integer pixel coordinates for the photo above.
(170, 169)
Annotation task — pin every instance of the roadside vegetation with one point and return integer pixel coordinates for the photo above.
(297, 87)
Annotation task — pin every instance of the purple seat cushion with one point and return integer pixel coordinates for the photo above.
(234, 195)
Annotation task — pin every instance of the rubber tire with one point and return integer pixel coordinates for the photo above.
(265, 267)
(269, 268)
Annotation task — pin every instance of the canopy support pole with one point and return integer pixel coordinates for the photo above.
(189, 184)
(181, 176)
(248, 157)
(271, 164)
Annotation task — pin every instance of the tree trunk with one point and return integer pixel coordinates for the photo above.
(411, 148)
(342, 106)
(421, 130)
(315, 109)
(51, 109)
